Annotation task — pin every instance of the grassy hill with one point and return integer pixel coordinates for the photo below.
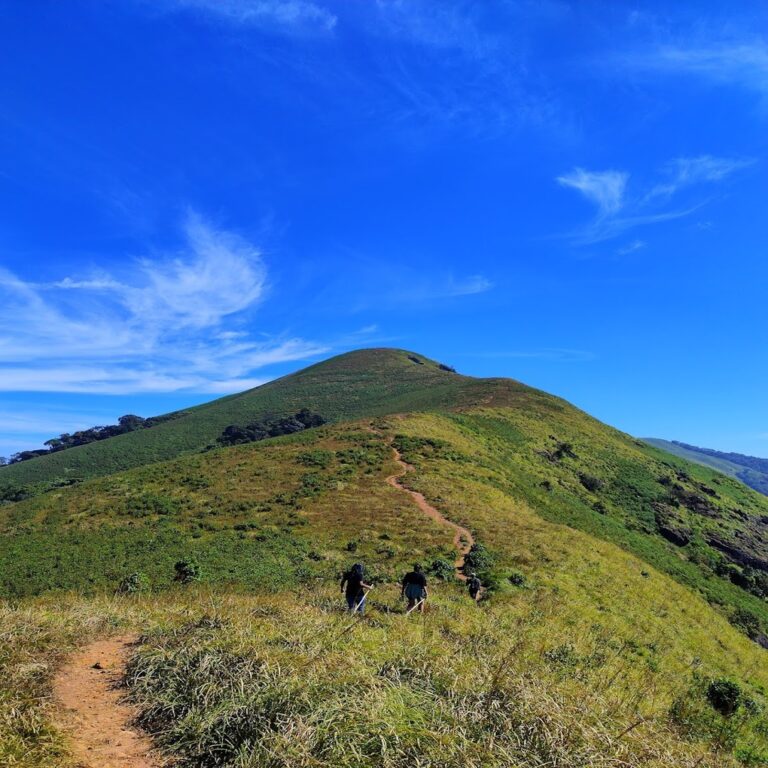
(623, 584)
(751, 470)
(363, 383)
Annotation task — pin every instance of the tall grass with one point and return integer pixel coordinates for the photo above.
(292, 680)
(295, 682)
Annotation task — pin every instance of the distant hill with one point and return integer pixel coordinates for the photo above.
(752, 471)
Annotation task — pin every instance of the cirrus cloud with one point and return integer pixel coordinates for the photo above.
(604, 188)
(170, 324)
(617, 212)
(286, 15)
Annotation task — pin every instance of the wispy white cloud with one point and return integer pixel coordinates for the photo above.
(284, 14)
(444, 64)
(608, 228)
(685, 171)
(741, 62)
(631, 247)
(422, 289)
(466, 287)
(617, 212)
(446, 26)
(173, 323)
(604, 188)
(384, 282)
(456, 63)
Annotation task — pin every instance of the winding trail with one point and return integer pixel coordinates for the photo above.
(462, 539)
(98, 722)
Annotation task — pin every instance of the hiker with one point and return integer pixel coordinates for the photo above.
(355, 588)
(474, 585)
(415, 588)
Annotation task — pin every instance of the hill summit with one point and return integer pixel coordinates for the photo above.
(362, 383)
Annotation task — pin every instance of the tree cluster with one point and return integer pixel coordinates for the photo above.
(236, 434)
(127, 423)
(746, 577)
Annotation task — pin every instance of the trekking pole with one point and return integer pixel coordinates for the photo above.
(355, 622)
(341, 634)
(410, 610)
(362, 599)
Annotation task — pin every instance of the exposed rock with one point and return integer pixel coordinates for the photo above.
(694, 502)
(734, 551)
(670, 527)
(678, 536)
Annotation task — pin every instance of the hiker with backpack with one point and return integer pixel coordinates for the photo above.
(354, 588)
(474, 585)
(414, 587)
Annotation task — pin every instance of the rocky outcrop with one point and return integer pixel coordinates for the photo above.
(670, 526)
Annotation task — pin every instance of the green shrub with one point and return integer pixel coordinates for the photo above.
(359, 457)
(751, 757)
(591, 483)
(413, 447)
(725, 696)
(517, 579)
(479, 560)
(313, 484)
(719, 711)
(442, 569)
(133, 583)
(187, 571)
(388, 552)
(562, 656)
(12, 493)
(747, 622)
(316, 458)
(150, 503)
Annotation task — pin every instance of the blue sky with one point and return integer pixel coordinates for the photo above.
(200, 195)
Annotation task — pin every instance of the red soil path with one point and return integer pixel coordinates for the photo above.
(462, 539)
(86, 689)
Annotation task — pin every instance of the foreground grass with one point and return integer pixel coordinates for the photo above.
(290, 680)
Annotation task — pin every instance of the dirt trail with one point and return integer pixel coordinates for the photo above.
(87, 690)
(462, 540)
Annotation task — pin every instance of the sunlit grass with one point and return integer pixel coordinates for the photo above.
(291, 680)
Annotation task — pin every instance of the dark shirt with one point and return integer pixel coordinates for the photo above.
(414, 577)
(474, 585)
(354, 583)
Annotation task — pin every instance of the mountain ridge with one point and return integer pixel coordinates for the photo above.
(751, 470)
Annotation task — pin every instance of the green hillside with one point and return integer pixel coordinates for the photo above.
(362, 383)
(749, 469)
(624, 585)
(704, 529)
